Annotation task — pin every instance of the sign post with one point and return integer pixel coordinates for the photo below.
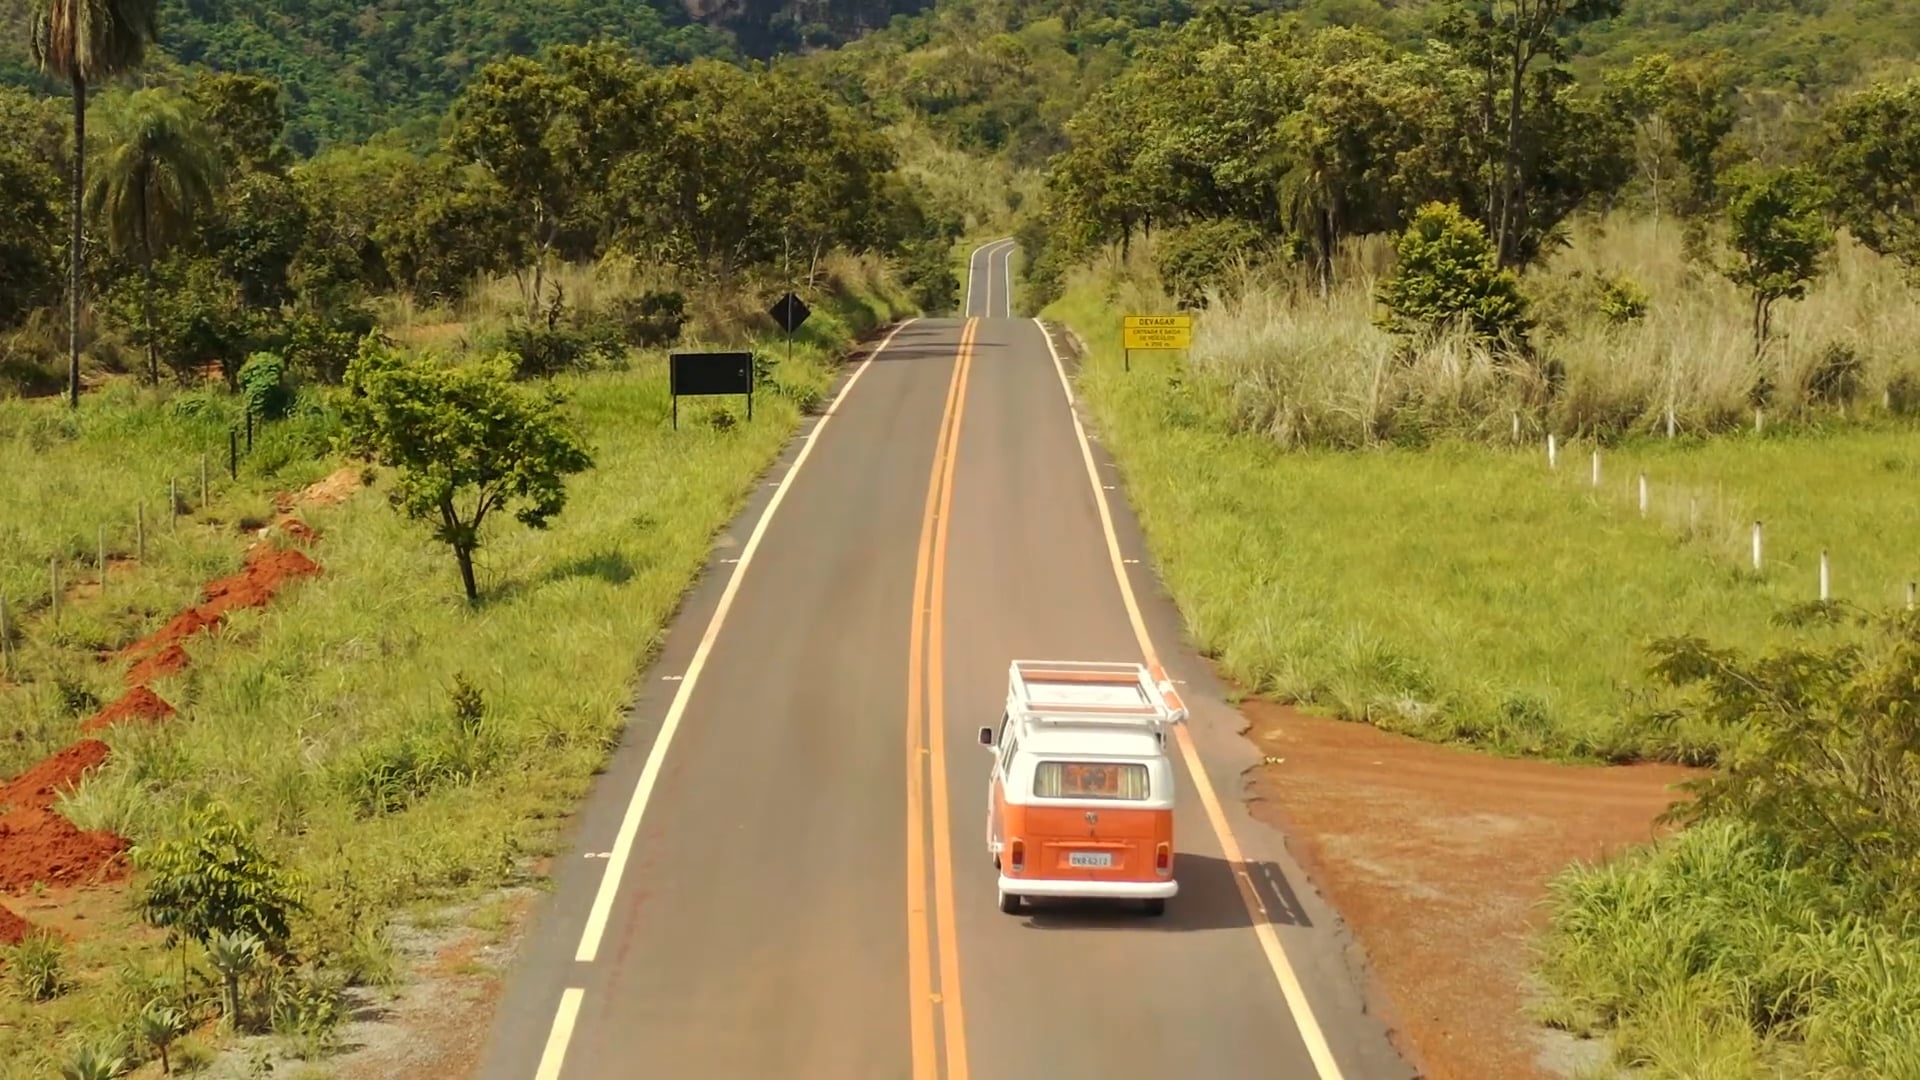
(789, 311)
(1154, 332)
(707, 374)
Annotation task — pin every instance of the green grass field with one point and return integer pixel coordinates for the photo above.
(326, 716)
(1468, 593)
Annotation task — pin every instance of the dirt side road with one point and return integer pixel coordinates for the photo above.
(1438, 859)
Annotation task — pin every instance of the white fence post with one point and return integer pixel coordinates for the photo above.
(1756, 545)
(1643, 494)
(1553, 452)
(1826, 580)
(1596, 466)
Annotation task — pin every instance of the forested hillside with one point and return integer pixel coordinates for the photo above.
(351, 68)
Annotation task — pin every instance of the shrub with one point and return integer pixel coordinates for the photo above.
(1623, 300)
(926, 269)
(651, 320)
(1202, 257)
(1446, 275)
(562, 343)
(36, 966)
(1826, 770)
(216, 880)
(263, 384)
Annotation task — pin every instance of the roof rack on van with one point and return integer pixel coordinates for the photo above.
(1092, 692)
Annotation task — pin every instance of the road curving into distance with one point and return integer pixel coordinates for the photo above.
(783, 871)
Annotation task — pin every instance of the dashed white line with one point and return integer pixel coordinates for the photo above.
(561, 1034)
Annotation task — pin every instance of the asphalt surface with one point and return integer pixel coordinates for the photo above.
(800, 886)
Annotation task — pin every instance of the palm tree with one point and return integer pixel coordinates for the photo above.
(84, 41)
(155, 168)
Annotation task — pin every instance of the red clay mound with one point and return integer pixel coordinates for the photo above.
(41, 846)
(170, 660)
(38, 785)
(37, 844)
(138, 703)
(299, 531)
(268, 570)
(181, 626)
(12, 927)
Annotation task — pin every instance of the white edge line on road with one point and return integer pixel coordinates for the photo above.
(967, 312)
(1283, 972)
(561, 1034)
(1006, 275)
(643, 789)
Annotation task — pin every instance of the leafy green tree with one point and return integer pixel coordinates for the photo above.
(1197, 258)
(82, 42)
(245, 115)
(29, 235)
(154, 170)
(1519, 46)
(199, 316)
(466, 442)
(1681, 113)
(1447, 274)
(1779, 233)
(348, 196)
(1871, 152)
(551, 135)
(215, 880)
(752, 169)
(519, 121)
(256, 234)
(447, 224)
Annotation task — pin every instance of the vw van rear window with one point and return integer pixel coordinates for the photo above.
(1090, 780)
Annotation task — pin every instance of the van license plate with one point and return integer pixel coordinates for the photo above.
(1090, 858)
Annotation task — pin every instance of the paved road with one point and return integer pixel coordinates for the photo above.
(783, 872)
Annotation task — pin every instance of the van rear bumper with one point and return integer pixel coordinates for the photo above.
(1098, 890)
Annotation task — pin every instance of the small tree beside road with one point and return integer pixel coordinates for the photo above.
(466, 441)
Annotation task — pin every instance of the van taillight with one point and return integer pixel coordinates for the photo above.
(1016, 855)
(1163, 859)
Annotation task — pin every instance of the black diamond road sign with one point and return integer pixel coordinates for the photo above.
(789, 311)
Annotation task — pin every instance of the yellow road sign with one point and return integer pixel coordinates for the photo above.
(1157, 331)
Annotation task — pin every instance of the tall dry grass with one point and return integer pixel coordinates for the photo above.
(1308, 371)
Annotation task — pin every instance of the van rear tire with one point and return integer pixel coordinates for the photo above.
(1155, 907)
(1009, 903)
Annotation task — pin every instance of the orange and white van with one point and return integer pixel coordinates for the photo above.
(1080, 799)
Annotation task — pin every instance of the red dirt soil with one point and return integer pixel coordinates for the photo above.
(268, 570)
(1438, 858)
(37, 844)
(12, 927)
(170, 660)
(138, 703)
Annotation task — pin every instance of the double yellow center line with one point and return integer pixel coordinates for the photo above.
(926, 764)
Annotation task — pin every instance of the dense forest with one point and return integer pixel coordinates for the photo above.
(351, 69)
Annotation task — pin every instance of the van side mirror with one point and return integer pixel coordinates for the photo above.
(986, 736)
